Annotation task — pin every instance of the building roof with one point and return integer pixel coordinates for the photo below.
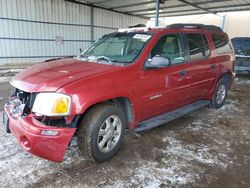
(146, 8)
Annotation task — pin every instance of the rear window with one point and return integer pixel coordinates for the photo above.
(222, 44)
(198, 46)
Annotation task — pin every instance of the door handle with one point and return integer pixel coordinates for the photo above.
(183, 73)
(213, 66)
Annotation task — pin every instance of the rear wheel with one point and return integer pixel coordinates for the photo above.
(102, 131)
(220, 93)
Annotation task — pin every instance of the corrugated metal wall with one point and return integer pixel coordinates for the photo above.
(109, 19)
(28, 28)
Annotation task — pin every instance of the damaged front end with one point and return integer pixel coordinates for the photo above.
(242, 66)
(41, 135)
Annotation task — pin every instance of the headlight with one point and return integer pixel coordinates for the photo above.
(52, 104)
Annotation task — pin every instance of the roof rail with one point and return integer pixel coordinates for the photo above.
(190, 25)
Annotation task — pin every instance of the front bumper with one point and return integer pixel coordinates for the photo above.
(242, 70)
(27, 131)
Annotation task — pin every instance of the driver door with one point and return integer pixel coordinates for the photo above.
(167, 88)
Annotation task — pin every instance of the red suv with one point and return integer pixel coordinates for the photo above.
(137, 78)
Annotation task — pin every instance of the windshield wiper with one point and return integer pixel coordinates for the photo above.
(84, 55)
(111, 60)
(117, 61)
(104, 58)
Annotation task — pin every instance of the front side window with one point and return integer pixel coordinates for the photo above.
(117, 47)
(171, 47)
(198, 46)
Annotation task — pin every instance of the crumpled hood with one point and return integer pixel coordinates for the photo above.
(52, 75)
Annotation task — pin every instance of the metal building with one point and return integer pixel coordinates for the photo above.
(34, 30)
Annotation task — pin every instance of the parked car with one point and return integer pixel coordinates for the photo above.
(137, 78)
(242, 52)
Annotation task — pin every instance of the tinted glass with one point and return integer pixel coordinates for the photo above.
(171, 47)
(198, 46)
(222, 44)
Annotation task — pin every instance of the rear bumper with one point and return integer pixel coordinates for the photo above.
(242, 70)
(27, 131)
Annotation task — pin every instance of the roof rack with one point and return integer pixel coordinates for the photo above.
(201, 26)
(137, 25)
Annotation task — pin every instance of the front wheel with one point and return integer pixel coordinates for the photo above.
(220, 93)
(101, 133)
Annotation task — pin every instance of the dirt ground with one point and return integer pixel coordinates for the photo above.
(208, 148)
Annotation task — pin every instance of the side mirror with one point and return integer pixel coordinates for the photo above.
(158, 62)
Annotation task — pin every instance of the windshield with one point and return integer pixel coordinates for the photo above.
(117, 48)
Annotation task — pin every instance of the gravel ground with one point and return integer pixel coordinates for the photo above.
(208, 148)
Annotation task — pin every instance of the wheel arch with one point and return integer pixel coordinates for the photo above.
(229, 78)
(123, 102)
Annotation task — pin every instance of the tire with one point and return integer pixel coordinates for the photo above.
(103, 123)
(220, 93)
(6, 123)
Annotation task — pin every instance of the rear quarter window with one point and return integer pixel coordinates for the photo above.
(222, 43)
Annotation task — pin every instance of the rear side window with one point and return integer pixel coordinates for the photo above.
(198, 46)
(222, 44)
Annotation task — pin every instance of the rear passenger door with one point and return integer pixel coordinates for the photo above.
(201, 68)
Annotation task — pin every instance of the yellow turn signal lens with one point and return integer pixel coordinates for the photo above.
(61, 105)
(52, 104)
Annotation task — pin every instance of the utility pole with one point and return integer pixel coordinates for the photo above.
(223, 22)
(157, 12)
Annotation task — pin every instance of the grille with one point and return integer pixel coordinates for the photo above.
(27, 99)
(21, 95)
(241, 61)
